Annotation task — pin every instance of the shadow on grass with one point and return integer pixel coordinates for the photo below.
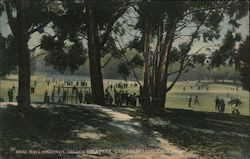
(208, 134)
(64, 127)
(76, 127)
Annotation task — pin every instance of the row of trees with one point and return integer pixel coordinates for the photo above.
(164, 33)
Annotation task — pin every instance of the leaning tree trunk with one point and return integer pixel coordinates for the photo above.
(94, 60)
(23, 59)
(159, 86)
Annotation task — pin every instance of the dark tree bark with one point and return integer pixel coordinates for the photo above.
(19, 31)
(94, 59)
(146, 104)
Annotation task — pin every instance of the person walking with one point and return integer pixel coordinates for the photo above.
(217, 100)
(80, 96)
(190, 101)
(196, 101)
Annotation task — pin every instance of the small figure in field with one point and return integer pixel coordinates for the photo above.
(235, 103)
(184, 89)
(1, 99)
(46, 97)
(221, 107)
(108, 98)
(64, 95)
(32, 91)
(35, 83)
(59, 90)
(53, 95)
(88, 98)
(60, 99)
(196, 101)
(80, 96)
(10, 95)
(217, 100)
(77, 95)
(13, 88)
(190, 101)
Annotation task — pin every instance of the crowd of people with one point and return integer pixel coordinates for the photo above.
(121, 96)
(234, 102)
(115, 93)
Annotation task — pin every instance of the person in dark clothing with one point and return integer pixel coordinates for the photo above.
(88, 98)
(46, 96)
(80, 96)
(196, 101)
(189, 101)
(32, 91)
(217, 100)
(53, 95)
(59, 90)
(64, 95)
(10, 95)
(1, 99)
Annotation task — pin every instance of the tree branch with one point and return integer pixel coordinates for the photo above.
(38, 28)
(110, 25)
(105, 64)
(11, 20)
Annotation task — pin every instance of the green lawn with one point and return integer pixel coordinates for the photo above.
(196, 130)
(176, 98)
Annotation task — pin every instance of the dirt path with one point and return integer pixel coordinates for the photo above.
(160, 148)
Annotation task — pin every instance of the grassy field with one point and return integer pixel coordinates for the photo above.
(177, 98)
(182, 130)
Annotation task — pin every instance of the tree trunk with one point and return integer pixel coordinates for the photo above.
(94, 60)
(23, 59)
(146, 94)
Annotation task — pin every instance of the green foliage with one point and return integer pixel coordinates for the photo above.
(225, 54)
(1, 7)
(63, 56)
(136, 60)
(123, 70)
(137, 43)
(8, 61)
(199, 59)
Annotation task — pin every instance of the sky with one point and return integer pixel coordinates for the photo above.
(35, 38)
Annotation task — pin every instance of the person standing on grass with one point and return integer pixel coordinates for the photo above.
(53, 95)
(45, 100)
(190, 101)
(9, 94)
(1, 99)
(80, 96)
(217, 100)
(196, 101)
